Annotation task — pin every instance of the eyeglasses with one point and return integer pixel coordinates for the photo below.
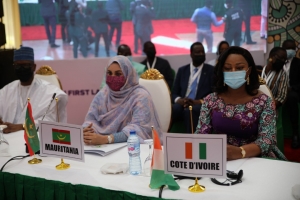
(25, 66)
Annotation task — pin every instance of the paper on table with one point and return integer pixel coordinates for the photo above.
(103, 149)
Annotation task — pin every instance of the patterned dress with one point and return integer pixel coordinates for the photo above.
(252, 122)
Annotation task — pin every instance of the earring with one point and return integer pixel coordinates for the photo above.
(248, 80)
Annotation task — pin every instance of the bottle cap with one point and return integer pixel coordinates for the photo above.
(132, 132)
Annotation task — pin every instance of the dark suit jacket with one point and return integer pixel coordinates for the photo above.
(47, 8)
(163, 66)
(63, 6)
(294, 75)
(143, 20)
(100, 21)
(133, 5)
(182, 81)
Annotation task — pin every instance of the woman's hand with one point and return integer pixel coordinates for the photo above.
(94, 138)
(89, 128)
(233, 152)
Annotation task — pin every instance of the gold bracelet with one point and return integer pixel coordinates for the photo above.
(243, 152)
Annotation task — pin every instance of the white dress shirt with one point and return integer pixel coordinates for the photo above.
(198, 74)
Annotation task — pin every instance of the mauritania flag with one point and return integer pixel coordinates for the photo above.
(201, 147)
(61, 136)
(158, 176)
(30, 133)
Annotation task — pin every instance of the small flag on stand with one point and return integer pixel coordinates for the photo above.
(30, 133)
(158, 176)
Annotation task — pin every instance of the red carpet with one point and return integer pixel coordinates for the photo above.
(161, 27)
(167, 28)
(291, 154)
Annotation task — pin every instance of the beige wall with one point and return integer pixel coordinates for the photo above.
(12, 24)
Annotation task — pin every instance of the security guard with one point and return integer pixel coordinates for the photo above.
(233, 24)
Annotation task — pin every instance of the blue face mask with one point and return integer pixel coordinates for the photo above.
(235, 79)
(290, 53)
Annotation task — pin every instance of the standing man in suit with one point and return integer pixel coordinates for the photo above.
(144, 14)
(114, 8)
(162, 65)
(76, 20)
(193, 82)
(48, 12)
(292, 68)
(245, 6)
(63, 6)
(233, 24)
(203, 18)
(133, 5)
(100, 28)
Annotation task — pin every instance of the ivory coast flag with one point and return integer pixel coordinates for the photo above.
(30, 133)
(158, 176)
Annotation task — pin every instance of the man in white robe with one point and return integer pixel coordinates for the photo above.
(13, 97)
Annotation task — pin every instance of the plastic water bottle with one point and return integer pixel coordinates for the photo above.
(133, 144)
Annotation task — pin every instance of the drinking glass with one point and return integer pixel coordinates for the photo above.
(147, 163)
(2, 139)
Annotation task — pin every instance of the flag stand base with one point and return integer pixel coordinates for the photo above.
(34, 161)
(62, 165)
(196, 188)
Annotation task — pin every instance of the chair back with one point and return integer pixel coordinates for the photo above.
(154, 82)
(48, 74)
(264, 88)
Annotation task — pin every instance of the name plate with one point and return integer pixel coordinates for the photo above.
(61, 140)
(195, 155)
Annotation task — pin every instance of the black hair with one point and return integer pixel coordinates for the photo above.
(208, 3)
(219, 75)
(289, 41)
(194, 44)
(147, 43)
(274, 51)
(220, 44)
(124, 46)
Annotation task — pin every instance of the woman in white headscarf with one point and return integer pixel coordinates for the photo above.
(120, 107)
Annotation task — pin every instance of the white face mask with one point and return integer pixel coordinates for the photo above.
(235, 79)
(290, 53)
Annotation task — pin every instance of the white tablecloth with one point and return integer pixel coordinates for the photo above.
(263, 179)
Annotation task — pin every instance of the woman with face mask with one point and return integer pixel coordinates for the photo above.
(121, 106)
(275, 76)
(239, 110)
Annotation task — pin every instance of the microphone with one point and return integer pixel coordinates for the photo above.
(26, 148)
(47, 109)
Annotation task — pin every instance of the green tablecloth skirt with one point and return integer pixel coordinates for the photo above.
(21, 187)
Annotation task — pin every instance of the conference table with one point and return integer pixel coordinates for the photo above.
(263, 179)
